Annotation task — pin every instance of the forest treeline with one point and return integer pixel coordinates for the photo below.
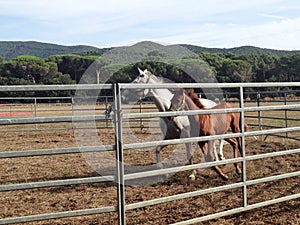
(225, 68)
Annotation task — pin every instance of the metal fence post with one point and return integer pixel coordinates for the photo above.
(35, 112)
(259, 114)
(106, 110)
(119, 155)
(226, 96)
(242, 124)
(141, 119)
(285, 114)
(72, 106)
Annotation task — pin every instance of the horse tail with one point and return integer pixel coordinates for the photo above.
(236, 123)
(245, 125)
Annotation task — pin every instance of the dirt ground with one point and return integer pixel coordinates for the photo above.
(64, 198)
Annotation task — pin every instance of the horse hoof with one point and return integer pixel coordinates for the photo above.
(239, 171)
(159, 165)
(192, 177)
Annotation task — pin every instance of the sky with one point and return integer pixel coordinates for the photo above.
(271, 24)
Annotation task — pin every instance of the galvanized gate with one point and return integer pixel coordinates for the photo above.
(119, 147)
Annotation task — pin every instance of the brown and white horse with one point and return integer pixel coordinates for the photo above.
(210, 124)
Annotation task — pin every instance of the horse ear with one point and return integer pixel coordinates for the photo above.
(140, 71)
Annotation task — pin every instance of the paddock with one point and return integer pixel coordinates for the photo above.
(47, 178)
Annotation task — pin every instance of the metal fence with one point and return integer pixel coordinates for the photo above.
(119, 147)
(259, 98)
(36, 106)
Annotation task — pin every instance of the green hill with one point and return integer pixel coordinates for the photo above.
(146, 49)
(11, 49)
(243, 50)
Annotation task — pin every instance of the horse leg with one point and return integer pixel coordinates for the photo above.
(235, 127)
(239, 141)
(221, 144)
(190, 159)
(163, 123)
(185, 133)
(216, 153)
(157, 152)
(234, 144)
(207, 150)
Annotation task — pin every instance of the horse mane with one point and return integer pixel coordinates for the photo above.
(194, 97)
(154, 77)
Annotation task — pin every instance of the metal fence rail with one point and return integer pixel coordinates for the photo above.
(141, 105)
(119, 147)
(245, 183)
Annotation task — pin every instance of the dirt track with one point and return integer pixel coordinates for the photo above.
(17, 203)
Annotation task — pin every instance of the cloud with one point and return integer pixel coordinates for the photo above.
(282, 34)
(272, 16)
(215, 23)
(144, 9)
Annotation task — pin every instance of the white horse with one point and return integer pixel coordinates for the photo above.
(174, 128)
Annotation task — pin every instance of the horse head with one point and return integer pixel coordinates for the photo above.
(178, 101)
(135, 94)
(143, 77)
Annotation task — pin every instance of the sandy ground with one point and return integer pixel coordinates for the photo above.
(64, 198)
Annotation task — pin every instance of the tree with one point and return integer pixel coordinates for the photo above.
(28, 68)
(263, 66)
(75, 65)
(31, 70)
(288, 68)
